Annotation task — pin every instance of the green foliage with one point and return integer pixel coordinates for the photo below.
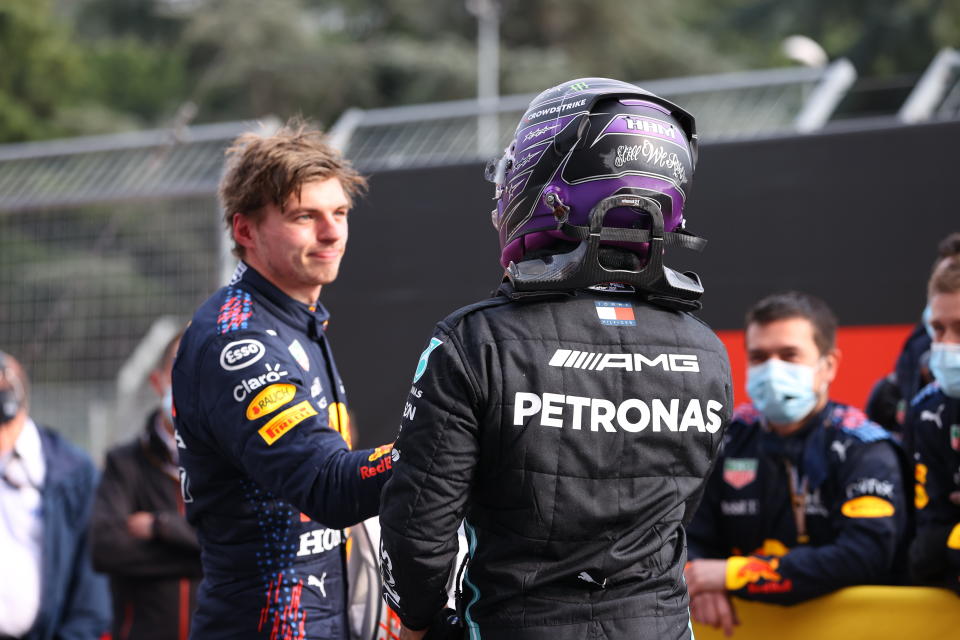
(96, 65)
(40, 70)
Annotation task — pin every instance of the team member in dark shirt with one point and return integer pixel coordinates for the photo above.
(934, 419)
(807, 495)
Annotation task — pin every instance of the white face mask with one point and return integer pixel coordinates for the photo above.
(166, 404)
(945, 366)
(783, 391)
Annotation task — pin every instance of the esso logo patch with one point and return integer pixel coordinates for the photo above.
(240, 354)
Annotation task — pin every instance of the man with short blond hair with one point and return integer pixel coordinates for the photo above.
(267, 474)
(934, 419)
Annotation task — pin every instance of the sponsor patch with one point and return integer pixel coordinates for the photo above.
(738, 507)
(867, 507)
(270, 399)
(742, 571)
(315, 388)
(238, 273)
(920, 497)
(739, 472)
(235, 311)
(240, 354)
(298, 353)
(250, 385)
(953, 541)
(615, 314)
(319, 541)
(385, 464)
(379, 452)
(339, 421)
(955, 437)
(569, 358)
(633, 415)
(422, 364)
(286, 420)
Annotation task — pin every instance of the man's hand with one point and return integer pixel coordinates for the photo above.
(410, 634)
(714, 609)
(706, 575)
(140, 525)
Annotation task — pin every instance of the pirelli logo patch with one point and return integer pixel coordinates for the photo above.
(286, 420)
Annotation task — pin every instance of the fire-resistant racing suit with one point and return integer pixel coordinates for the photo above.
(802, 515)
(573, 432)
(267, 475)
(934, 420)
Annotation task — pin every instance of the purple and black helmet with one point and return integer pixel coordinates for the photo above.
(581, 142)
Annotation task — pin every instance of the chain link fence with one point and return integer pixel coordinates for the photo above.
(101, 239)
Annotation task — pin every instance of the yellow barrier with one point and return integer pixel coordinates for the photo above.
(856, 613)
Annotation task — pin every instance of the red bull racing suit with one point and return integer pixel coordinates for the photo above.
(802, 515)
(934, 420)
(573, 432)
(267, 475)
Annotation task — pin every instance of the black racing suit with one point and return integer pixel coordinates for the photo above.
(934, 420)
(268, 478)
(803, 515)
(573, 432)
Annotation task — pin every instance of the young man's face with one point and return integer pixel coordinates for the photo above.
(791, 340)
(945, 317)
(299, 247)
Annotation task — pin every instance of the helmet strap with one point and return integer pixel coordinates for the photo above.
(582, 267)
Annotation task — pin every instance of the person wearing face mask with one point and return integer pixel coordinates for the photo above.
(807, 495)
(934, 419)
(887, 404)
(48, 588)
(140, 536)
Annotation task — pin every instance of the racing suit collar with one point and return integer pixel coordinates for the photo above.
(293, 312)
(803, 448)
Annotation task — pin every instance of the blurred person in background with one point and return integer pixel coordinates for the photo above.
(268, 476)
(571, 420)
(140, 534)
(934, 420)
(48, 588)
(807, 495)
(887, 404)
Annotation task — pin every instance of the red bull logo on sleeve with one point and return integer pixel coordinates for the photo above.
(759, 575)
(369, 471)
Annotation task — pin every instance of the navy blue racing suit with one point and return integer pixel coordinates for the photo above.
(934, 420)
(803, 515)
(267, 474)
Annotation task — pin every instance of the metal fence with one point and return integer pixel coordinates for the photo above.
(727, 106)
(937, 95)
(101, 238)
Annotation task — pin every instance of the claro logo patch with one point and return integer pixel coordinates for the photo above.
(286, 420)
(240, 354)
(270, 399)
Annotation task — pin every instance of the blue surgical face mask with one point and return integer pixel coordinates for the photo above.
(166, 404)
(782, 391)
(945, 366)
(925, 318)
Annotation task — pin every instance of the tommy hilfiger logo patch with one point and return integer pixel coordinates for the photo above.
(617, 314)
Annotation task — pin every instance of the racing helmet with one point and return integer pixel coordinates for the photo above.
(596, 162)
